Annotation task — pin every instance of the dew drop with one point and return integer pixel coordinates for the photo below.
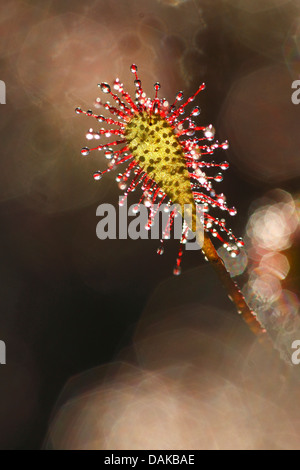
(117, 84)
(90, 134)
(240, 242)
(133, 68)
(97, 103)
(157, 86)
(232, 211)
(196, 111)
(179, 96)
(147, 202)
(138, 83)
(122, 185)
(221, 198)
(176, 271)
(225, 145)
(155, 108)
(160, 250)
(85, 151)
(224, 165)
(108, 154)
(78, 110)
(218, 178)
(97, 175)
(209, 132)
(105, 87)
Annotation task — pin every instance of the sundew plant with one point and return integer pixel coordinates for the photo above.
(170, 157)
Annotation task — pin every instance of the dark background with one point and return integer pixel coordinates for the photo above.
(70, 302)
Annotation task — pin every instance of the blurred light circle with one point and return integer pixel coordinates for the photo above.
(267, 227)
(287, 304)
(59, 54)
(262, 125)
(265, 286)
(275, 264)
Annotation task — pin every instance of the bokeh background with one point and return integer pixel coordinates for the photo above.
(105, 348)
